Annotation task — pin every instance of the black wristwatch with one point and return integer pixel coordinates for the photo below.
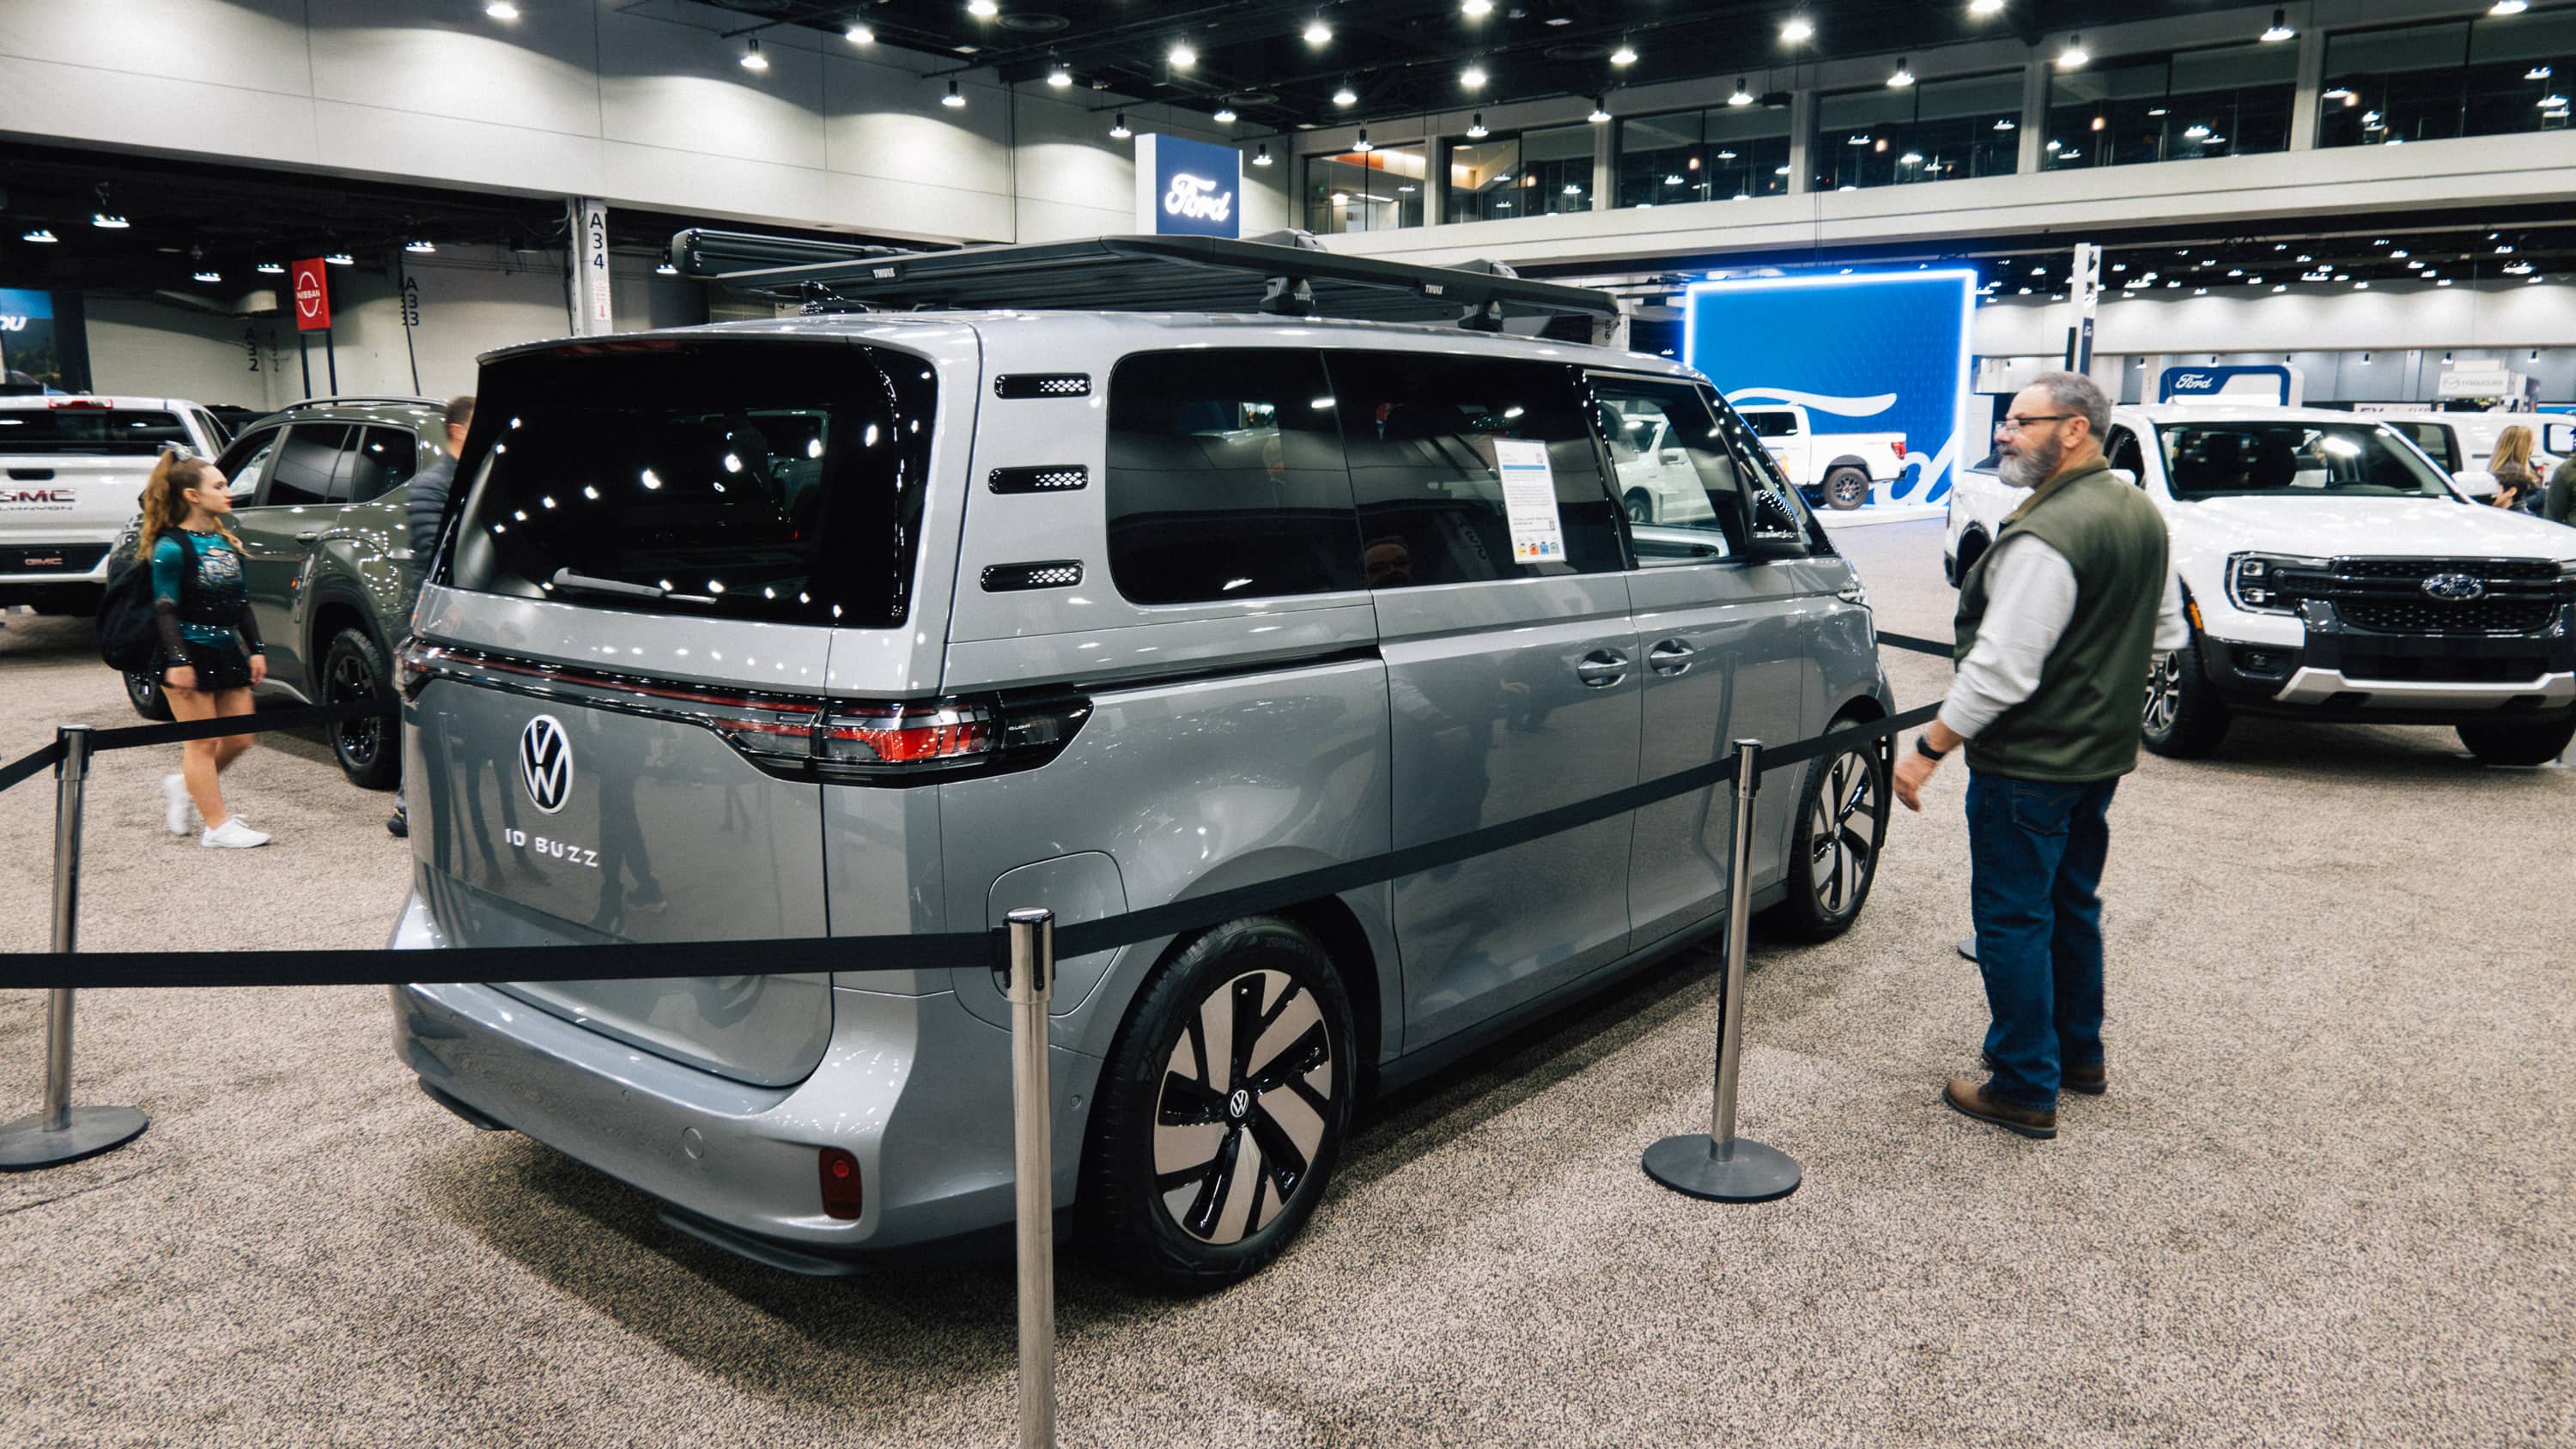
(1923, 747)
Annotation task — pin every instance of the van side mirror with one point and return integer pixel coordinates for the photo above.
(1774, 548)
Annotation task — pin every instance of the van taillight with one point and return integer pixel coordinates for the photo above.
(840, 1173)
(909, 735)
(1900, 450)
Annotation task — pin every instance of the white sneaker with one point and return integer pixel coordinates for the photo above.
(232, 835)
(174, 789)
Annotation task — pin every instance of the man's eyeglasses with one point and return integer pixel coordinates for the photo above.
(2015, 425)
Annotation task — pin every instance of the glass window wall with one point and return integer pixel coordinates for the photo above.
(2489, 77)
(1377, 190)
(2230, 101)
(1935, 131)
(1728, 153)
(1536, 173)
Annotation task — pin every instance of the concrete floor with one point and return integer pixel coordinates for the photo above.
(2326, 1201)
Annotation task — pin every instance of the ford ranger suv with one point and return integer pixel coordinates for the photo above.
(71, 470)
(2332, 572)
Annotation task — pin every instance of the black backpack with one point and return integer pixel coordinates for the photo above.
(129, 636)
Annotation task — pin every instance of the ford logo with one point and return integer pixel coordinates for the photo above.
(2457, 588)
(545, 763)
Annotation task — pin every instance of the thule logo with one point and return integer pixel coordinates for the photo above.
(545, 763)
(2456, 588)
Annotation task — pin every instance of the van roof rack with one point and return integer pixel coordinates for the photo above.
(1285, 274)
(345, 399)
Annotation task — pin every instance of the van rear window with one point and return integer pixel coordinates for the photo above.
(770, 479)
(99, 431)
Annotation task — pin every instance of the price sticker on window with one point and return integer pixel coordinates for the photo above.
(1529, 500)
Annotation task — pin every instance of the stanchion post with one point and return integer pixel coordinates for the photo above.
(1721, 1166)
(1032, 986)
(61, 1133)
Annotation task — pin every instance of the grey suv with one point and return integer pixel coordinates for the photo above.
(892, 623)
(318, 503)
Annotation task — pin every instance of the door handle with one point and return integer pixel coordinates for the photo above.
(1602, 668)
(1670, 657)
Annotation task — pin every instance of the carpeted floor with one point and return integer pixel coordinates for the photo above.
(2325, 1202)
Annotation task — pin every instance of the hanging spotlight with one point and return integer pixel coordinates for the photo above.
(1345, 96)
(1476, 9)
(270, 269)
(856, 34)
(2509, 7)
(1224, 116)
(1600, 111)
(1476, 128)
(1903, 76)
(1742, 97)
(419, 248)
(983, 9)
(1473, 77)
(1262, 156)
(206, 276)
(1798, 30)
(108, 221)
(1626, 54)
(1182, 56)
(954, 98)
(666, 270)
(1317, 32)
(1059, 77)
(2280, 26)
(41, 237)
(340, 259)
(1362, 144)
(502, 10)
(752, 59)
(1118, 128)
(2074, 56)
(1985, 7)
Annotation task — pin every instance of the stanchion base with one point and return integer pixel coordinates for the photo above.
(25, 1144)
(1968, 948)
(1749, 1172)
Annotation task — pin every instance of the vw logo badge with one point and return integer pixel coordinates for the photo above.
(2457, 588)
(545, 762)
(1239, 1105)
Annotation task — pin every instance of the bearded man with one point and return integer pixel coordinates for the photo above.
(2059, 624)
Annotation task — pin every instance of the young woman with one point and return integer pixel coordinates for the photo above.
(2517, 487)
(209, 642)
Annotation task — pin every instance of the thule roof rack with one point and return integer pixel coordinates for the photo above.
(1288, 277)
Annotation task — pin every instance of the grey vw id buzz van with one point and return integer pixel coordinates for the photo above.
(893, 621)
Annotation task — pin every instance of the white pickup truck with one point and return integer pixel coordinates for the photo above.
(71, 470)
(1833, 470)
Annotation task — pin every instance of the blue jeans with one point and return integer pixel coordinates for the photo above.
(2035, 853)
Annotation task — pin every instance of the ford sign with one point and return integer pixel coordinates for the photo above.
(1188, 188)
(2456, 588)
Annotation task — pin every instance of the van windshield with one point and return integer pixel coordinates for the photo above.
(770, 479)
(2294, 458)
(125, 432)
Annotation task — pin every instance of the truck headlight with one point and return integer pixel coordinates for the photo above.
(2254, 581)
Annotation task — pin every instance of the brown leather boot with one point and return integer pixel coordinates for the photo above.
(1967, 1097)
(2092, 1081)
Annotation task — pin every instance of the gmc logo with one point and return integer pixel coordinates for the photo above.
(36, 495)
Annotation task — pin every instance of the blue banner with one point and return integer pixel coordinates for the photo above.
(1188, 188)
(2257, 383)
(1882, 352)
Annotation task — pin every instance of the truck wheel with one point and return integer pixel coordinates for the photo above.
(1833, 858)
(2518, 744)
(143, 691)
(1846, 488)
(1221, 1109)
(369, 750)
(1640, 505)
(2183, 718)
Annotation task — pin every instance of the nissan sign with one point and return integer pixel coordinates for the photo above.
(312, 296)
(1188, 188)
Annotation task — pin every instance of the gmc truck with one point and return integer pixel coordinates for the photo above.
(1833, 470)
(71, 469)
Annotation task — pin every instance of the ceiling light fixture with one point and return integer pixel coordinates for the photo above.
(1345, 96)
(1798, 30)
(502, 10)
(1262, 156)
(1982, 8)
(955, 97)
(420, 248)
(1118, 128)
(752, 59)
(2074, 56)
(1182, 56)
(1059, 77)
(41, 237)
(1473, 77)
(340, 259)
(1318, 33)
(1742, 97)
(1902, 76)
(207, 276)
(983, 9)
(1600, 112)
(270, 269)
(108, 221)
(856, 34)
(2280, 26)
(1224, 116)
(1476, 9)
(1476, 127)
(1363, 145)
(1626, 54)
(665, 269)
(2005, 123)
(2509, 7)
(2538, 72)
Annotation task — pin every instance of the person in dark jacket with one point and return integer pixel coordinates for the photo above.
(2559, 504)
(424, 512)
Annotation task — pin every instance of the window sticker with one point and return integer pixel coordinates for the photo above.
(1529, 500)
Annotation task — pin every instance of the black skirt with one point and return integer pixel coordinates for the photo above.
(218, 666)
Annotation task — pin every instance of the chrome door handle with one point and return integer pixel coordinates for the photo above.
(1670, 657)
(1602, 668)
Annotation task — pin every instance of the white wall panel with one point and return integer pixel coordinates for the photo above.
(254, 45)
(886, 122)
(2389, 316)
(150, 348)
(538, 74)
(168, 113)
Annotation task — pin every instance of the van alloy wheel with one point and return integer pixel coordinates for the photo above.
(2164, 695)
(353, 670)
(1246, 1096)
(1842, 839)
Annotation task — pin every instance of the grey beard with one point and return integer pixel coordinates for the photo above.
(2032, 467)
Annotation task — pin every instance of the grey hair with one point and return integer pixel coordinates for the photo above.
(2073, 392)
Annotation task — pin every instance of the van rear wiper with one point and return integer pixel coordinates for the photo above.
(567, 579)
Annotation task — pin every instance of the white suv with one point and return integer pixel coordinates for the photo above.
(2334, 573)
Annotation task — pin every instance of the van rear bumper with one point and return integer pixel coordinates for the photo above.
(913, 1086)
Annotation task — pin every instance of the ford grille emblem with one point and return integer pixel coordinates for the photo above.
(2458, 588)
(545, 763)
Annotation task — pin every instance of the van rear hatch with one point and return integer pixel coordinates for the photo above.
(619, 681)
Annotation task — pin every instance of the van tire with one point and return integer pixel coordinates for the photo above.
(369, 750)
(1846, 488)
(1845, 796)
(2182, 717)
(143, 691)
(2520, 743)
(1225, 1231)
(1640, 505)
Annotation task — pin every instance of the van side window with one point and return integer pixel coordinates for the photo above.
(1421, 435)
(1676, 480)
(1226, 479)
(2123, 453)
(301, 472)
(380, 459)
(1775, 505)
(246, 462)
